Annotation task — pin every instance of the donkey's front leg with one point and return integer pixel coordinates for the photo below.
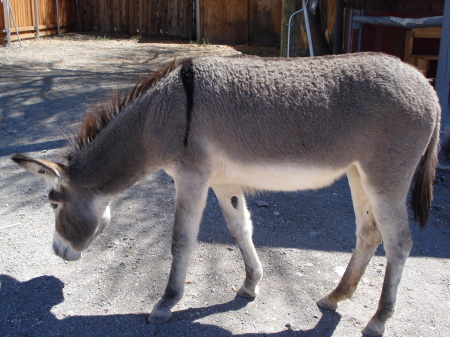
(191, 197)
(237, 217)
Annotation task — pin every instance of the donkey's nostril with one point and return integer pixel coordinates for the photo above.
(71, 255)
(55, 248)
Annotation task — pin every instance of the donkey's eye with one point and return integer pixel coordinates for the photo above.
(54, 205)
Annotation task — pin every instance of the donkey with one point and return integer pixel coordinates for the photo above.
(245, 124)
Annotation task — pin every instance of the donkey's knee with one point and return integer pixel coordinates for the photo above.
(368, 235)
(397, 239)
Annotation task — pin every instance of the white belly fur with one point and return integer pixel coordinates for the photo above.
(274, 177)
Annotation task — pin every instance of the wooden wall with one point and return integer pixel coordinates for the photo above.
(406, 8)
(391, 40)
(24, 14)
(154, 18)
(239, 22)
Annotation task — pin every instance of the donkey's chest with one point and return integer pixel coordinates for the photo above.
(276, 177)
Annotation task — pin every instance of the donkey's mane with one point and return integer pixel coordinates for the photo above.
(98, 118)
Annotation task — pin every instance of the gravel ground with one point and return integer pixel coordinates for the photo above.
(304, 239)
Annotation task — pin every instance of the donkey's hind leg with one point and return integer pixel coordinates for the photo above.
(237, 217)
(392, 218)
(368, 238)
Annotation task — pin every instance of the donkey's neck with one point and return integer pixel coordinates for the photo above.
(117, 157)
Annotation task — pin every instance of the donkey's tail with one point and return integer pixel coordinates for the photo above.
(422, 193)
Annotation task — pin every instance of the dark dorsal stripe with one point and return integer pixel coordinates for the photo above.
(187, 77)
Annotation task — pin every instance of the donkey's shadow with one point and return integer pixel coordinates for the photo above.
(25, 310)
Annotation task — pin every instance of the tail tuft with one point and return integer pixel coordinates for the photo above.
(422, 193)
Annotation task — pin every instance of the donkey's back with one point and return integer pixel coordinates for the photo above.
(295, 108)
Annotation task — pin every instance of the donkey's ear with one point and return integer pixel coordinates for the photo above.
(46, 169)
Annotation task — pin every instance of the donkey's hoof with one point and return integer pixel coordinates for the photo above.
(374, 328)
(159, 319)
(159, 315)
(326, 303)
(245, 292)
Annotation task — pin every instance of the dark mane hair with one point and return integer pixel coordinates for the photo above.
(98, 118)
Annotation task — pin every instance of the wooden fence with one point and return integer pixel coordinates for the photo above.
(23, 18)
(214, 21)
(172, 18)
(239, 22)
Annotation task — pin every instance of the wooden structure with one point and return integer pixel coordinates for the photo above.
(421, 61)
(32, 21)
(443, 77)
(172, 18)
(390, 39)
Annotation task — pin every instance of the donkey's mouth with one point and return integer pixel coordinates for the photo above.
(66, 253)
(63, 250)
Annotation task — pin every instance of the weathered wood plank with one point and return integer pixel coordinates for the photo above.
(264, 22)
(225, 21)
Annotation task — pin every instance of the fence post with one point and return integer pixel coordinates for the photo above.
(198, 29)
(443, 77)
(57, 18)
(36, 18)
(8, 23)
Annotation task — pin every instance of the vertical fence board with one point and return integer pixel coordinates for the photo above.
(67, 9)
(151, 18)
(225, 21)
(2, 22)
(123, 17)
(264, 22)
(114, 15)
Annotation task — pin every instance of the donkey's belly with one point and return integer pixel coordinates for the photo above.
(275, 177)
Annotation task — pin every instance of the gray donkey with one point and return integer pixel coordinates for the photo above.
(245, 124)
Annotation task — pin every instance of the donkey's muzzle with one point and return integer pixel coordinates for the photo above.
(64, 251)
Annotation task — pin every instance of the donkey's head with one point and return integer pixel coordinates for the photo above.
(81, 213)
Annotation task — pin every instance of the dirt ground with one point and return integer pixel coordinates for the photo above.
(303, 239)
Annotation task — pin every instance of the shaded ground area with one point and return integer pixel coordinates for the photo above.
(304, 239)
